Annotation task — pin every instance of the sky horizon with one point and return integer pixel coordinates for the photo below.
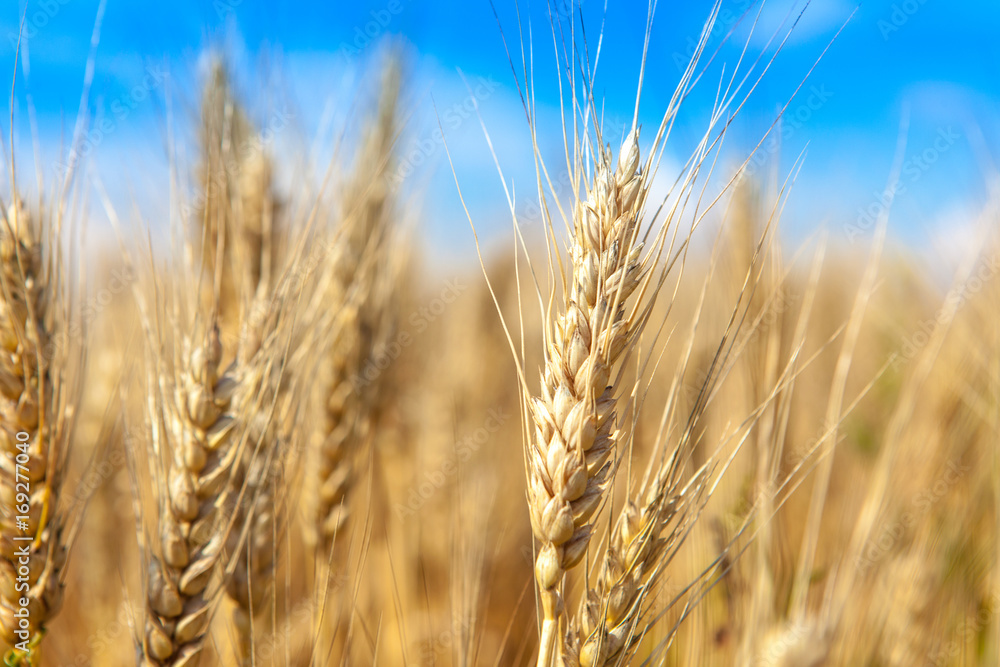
(302, 68)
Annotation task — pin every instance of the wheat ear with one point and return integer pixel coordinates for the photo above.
(194, 432)
(361, 298)
(248, 585)
(235, 160)
(270, 402)
(35, 424)
(650, 529)
(233, 220)
(568, 465)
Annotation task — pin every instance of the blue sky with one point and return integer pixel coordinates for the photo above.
(934, 61)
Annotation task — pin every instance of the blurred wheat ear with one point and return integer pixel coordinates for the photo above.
(38, 399)
(360, 295)
(237, 229)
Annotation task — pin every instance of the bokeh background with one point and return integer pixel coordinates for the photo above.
(861, 106)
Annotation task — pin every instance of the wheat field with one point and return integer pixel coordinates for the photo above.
(266, 425)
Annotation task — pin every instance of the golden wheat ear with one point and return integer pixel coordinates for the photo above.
(232, 221)
(38, 399)
(236, 228)
(270, 400)
(219, 435)
(574, 417)
(194, 440)
(196, 434)
(361, 296)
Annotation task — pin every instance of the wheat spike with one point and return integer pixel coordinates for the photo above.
(568, 465)
(195, 437)
(253, 570)
(250, 254)
(361, 290)
(269, 402)
(233, 220)
(608, 623)
(36, 425)
(215, 462)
